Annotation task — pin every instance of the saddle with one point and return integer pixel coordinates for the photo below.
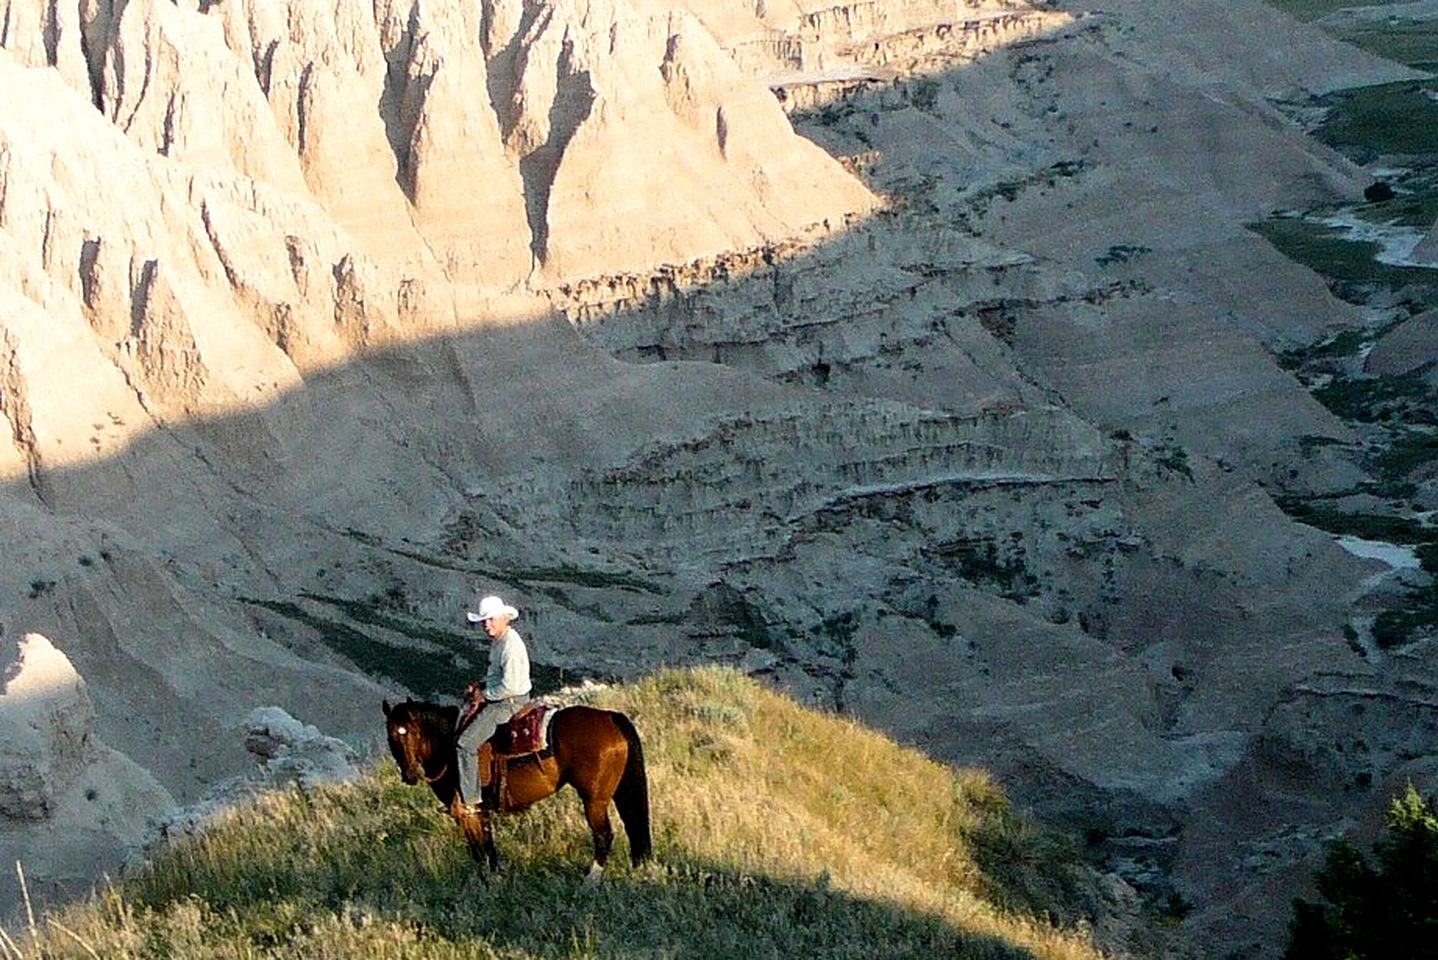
(525, 732)
(523, 738)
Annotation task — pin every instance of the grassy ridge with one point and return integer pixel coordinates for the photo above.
(779, 832)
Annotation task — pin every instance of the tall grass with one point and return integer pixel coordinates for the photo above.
(780, 832)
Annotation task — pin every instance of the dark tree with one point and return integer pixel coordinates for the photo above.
(1377, 192)
(1383, 910)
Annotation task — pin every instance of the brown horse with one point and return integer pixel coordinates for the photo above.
(595, 751)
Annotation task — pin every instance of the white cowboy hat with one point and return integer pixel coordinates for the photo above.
(489, 608)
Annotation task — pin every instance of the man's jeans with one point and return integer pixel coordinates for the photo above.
(481, 729)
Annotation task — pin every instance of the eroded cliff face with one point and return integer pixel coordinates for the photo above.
(329, 171)
(951, 411)
(59, 780)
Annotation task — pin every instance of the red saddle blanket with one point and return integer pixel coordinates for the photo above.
(525, 732)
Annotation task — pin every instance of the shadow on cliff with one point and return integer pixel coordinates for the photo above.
(348, 522)
(395, 462)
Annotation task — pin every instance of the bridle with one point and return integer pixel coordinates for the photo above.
(426, 777)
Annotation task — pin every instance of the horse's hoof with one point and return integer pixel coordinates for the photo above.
(594, 875)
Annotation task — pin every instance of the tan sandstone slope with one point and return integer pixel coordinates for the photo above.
(951, 413)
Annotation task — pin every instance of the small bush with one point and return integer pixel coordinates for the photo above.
(1383, 909)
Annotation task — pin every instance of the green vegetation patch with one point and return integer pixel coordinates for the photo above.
(980, 562)
(1325, 250)
(779, 832)
(983, 197)
(1415, 203)
(1409, 450)
(1365, 526)
(1388, 118)
(1375, 399)
(1411, 43)
(424, 672)
(1306, 10)
(379, 612)
(1416, 615)
(1121, 253)
(451, 660)
(1417, 619)
(1379, 906)
(1339, 346)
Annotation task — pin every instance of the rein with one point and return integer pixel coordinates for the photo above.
(434, 779)
(431, 780)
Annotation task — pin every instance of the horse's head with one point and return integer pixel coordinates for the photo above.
(417, 734)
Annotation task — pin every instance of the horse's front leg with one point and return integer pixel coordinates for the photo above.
(480, 838)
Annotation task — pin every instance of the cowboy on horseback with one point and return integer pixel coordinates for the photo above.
(505, 690)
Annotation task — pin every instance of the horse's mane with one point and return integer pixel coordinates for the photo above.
(432, 717)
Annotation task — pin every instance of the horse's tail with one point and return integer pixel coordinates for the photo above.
(631, 797)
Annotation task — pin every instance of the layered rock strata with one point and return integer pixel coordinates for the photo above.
(984, 468)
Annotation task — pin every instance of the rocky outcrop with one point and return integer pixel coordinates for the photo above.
(802, 43)
(1409, 346)
(1427, 249)
(58, 779)
(49, 720)
(1348, 732)
(371, 115)
(290, 750)
(745, 485)
(289, 754)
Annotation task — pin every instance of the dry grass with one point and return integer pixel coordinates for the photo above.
(779, 832)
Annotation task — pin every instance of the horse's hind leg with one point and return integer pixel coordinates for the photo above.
(596, 811)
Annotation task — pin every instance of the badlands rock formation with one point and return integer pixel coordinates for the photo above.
(1427, 249)
(72, 806)
(956, 410)
(205, 212)
(290, 754)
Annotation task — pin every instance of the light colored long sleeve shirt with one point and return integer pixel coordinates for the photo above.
(508, 674)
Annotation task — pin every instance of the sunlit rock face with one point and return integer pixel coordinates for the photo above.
(60, 781)
(365, 162)
(49, 720)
